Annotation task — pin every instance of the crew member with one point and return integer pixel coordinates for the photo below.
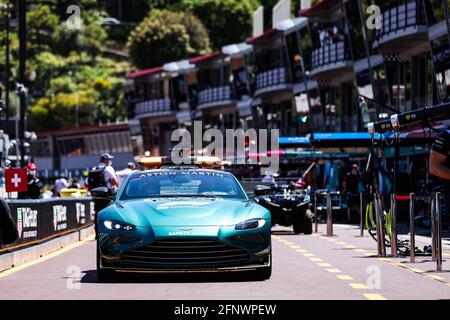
(109, 174)
(439, 166)
(60, 184)
(109, 181)
(122, 175)
(34, 184)
(351, 188)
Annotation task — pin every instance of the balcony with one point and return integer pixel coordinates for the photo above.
(403, 30)
(332, 63)
(153, 108)
(221, 96)
(272, 80)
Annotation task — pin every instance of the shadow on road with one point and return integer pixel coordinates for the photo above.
(283, 233)
(91, 277)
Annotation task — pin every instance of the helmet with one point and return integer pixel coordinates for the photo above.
(31, 166)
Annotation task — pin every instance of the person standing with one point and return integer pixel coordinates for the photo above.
(34, 184)
(439, 166)
(122, 175)
(60, 184)
(351, 188)
(103, 175)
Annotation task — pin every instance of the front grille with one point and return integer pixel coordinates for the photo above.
(186, 253)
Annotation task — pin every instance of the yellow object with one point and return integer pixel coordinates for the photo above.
(200, 161)
(73, 193)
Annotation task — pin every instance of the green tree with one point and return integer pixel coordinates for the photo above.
(227, 21)
(41, 24)
(167, 36)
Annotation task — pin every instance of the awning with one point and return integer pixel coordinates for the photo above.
(323, 7)
(262, 37)
(206, 57)
(141, 73)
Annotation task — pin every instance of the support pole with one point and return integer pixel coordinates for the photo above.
(433, 228)
(329, 216)
(438, 235)
(7, 67)
(412, 242)
(361, 216)
(316, 219)
(22, 69)
(380, 226)
(393, 226)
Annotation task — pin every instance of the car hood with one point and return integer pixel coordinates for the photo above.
(183, 212)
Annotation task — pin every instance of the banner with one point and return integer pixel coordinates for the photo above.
(42, 219)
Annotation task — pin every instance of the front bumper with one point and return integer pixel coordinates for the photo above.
(202, 249)
(246, 268)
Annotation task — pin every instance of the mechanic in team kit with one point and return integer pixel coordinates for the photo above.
(439, 166)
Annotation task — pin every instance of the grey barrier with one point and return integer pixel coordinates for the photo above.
(436, 235)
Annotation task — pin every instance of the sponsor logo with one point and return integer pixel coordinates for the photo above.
(59, 217)
(27, 219)
(92, 210)
(80, 213)
(185, 229)
(185, 233)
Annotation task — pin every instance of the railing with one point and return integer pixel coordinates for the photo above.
(328, 54)
(403, 16)
(153, 107)
(214, 95)
(271, 78)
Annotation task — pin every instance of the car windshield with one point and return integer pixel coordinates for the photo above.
(182, 183)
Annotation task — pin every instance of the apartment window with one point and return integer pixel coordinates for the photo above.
(268, 59)
(180, 89)
(70, 146)
(354, 27)
(436, 10)
(40, 148)
(306, 46)
(316, 110)
(441, 59)
(214, 77)
(295, 58)
(331, 98)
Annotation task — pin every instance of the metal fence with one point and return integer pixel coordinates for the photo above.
(215, 95)
(329, 53)
(408, 14)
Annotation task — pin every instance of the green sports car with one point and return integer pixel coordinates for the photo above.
(182, 220)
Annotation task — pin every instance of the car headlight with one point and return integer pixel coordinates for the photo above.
(250, 224)
(118, 225)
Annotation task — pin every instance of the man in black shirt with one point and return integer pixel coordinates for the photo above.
(351, 187)
(439, 166)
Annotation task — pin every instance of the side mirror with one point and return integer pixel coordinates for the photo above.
(260, 190)
(101, 193)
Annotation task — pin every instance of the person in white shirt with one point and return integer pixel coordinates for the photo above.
(123, 174)
(109, 173)
(110, 178)
(60, 184)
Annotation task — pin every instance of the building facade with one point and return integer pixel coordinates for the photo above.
(334, 68)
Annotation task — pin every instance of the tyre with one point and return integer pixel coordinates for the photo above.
(263, 273)
(308, 226)
(104, 275)
(298, 227)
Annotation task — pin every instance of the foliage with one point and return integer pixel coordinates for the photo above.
(227, 21)
(165, 36)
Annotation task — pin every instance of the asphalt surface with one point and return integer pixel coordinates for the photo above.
(304, 267)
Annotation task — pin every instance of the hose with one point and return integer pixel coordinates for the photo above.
(371, 228)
